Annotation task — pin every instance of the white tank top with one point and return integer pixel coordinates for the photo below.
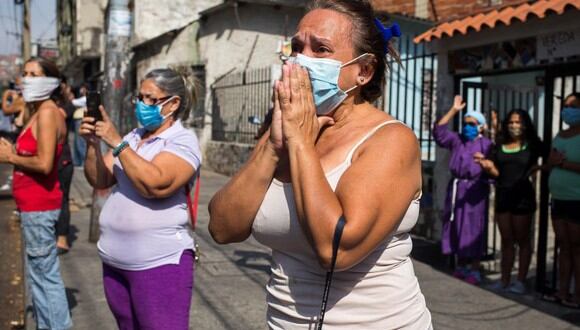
(380, 292)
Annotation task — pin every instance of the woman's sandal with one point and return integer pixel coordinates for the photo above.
(570, 304)
(62, 250)
(552, 298)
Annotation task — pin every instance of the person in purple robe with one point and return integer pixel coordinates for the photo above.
(465, 215)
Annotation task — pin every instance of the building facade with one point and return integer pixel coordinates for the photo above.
(240, 52)
(81, 38)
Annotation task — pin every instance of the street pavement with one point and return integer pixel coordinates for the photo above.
(11, 278)
(230, 283)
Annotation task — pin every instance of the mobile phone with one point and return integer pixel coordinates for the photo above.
(93, 103)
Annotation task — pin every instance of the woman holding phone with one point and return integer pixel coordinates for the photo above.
(145, 245)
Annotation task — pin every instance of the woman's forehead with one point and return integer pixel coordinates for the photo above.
(33, 66)
(514, 117)
(148, 87)
(326, 24)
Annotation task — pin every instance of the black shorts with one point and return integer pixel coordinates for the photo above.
(566, 210)
(519, 199)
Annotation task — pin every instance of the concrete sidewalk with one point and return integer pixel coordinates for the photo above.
(229, 284)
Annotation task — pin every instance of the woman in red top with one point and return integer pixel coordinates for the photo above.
(36, 189)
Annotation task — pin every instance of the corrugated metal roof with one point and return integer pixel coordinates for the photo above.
(506, 15)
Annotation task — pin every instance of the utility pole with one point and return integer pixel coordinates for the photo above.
(117, 63)
(26, 30)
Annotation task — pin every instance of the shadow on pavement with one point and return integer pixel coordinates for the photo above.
(72, 235)
(5, 196)
(429, 252)
(71, 294)
(253, 260)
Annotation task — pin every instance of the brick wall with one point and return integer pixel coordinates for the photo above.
(406, 7)
(442, 10)
(451, 9)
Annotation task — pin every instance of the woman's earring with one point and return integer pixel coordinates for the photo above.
(362, 80)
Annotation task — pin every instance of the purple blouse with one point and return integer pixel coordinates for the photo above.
(138, 233)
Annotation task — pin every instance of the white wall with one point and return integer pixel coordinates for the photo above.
(168, 50)
(154, 18)
(90, 24)
(227, 42)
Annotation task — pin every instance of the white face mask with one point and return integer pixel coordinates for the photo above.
(38, 88)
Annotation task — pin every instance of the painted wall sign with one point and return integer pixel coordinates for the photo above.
(558, 44)
(506, 55)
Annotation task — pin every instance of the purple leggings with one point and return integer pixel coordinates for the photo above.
(157, 298)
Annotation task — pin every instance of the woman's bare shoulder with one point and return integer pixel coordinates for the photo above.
(390, 135)
(47, 108)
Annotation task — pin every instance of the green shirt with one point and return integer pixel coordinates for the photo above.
(565, 184)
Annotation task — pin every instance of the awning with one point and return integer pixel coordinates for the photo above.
(506, 16)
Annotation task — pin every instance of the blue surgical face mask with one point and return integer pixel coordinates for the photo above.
(149, 116)
(571, 116)
(470, 132)
(324, 73)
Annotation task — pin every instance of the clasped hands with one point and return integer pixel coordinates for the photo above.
(485, 163)
(294, 119)
(6, 149)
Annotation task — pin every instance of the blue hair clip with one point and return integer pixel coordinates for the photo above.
(387, 32)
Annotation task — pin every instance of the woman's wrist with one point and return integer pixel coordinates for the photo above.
(10, 158)
(120, 147)
(271, 151)
(298, 143)
(115, 142)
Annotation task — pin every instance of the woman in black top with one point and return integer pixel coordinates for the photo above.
(512, 163)
(65, 170)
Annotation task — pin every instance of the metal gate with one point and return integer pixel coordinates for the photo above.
(410, 92)
(236, 97)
